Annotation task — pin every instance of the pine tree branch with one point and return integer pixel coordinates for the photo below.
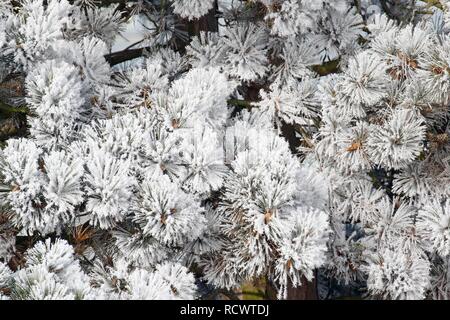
(209, 22)
(358, 5)
(7, 108)
(118, 57)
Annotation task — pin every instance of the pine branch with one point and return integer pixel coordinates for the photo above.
(208, 23)
(7, 108)
(118, 57)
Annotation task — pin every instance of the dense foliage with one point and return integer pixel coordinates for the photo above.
(301, 142)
